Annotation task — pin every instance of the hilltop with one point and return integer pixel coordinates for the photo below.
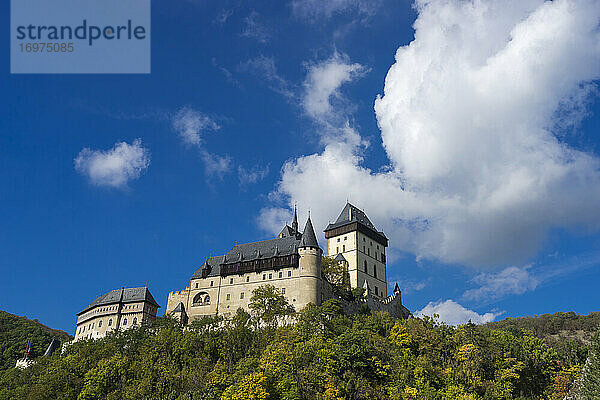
(325, 354)
(14, 333)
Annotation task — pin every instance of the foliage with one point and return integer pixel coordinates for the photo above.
(325, 354)
(15, 331)
(590, 387)
(268, 304)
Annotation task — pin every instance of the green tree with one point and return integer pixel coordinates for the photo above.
(590, 386)
(268, 304)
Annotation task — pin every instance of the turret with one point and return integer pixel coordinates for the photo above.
(310, 263)
(295, 221)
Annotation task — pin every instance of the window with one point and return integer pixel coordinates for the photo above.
(376, 255)
(376, 291)
(228, 296)
(270, 276)
(282, 290)
(371, 243)
(135, 320)
(281, 274)
(344, 247)
(124, 321)
(364, 240)
(377, 247)
(337, 249)
(289, 274)
(211, 283)
(247, 279)
(365, 266)
(196, 285)
(338, 240)
(110, 322)
(100, 324)
(264, 276)
(242, 295)
(207, 300)
(231, 281)
(368, 251)
(363, 249)
(375, 271)
(200, 299)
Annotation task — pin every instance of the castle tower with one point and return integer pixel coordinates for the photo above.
(355, 237)
(310, 263)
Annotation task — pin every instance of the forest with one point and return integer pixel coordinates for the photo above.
(319, 353)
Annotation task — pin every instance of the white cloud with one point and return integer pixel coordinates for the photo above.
(453, 313)
(316, 10)
(511, 280)
(477, 173)
(322, 84)
(215, 165)
(255, 28)
(190, 124)
(114, 167)
(252, 175)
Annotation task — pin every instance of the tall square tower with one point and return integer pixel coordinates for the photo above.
(354, 237)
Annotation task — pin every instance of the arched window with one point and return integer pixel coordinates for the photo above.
(100, 324)
(200, 299)
(110, 322)
(135, 320)
(207, 300)
(365, 266)
(124, 321)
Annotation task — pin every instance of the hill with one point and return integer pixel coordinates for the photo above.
(325, 354)
(14, 333)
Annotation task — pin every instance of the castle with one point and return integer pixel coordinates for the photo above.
(120, 308)
(292, 263)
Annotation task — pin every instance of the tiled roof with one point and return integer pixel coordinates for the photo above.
(123, 295)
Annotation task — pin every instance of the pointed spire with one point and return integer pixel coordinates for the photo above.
(396, 289)
(366, 287)
(309, 239)
(295, 221)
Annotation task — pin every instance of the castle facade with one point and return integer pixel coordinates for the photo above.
(120, 308)
(292, 263)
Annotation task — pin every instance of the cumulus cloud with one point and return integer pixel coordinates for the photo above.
(190, 124)
(479, 170)
(511, 280)
(114, 167)
(322, 84)
(452, 313)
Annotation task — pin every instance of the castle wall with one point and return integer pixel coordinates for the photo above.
(97, 322)
(300, 285)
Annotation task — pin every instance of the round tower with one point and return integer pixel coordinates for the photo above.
(310, 265)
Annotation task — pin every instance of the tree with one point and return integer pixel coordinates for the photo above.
(336, 273)
(591, 379)
(268, 304)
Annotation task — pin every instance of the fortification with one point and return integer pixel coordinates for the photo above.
(292, 263)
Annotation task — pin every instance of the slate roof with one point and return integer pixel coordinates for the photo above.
(123, 295)
(352, 214)
(179, 308)
(251, 251)
(340, 257)
(278, 247)
(286, 231)
(309, 239)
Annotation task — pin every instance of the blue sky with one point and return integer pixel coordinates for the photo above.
(479, 160)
